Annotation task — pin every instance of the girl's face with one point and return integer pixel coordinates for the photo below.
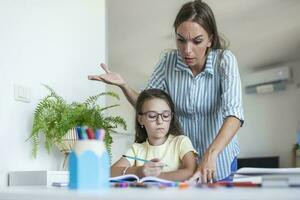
(156, 119)
(192, 41)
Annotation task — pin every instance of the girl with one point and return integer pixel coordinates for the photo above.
(158, 139)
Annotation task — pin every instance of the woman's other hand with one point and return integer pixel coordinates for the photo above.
(206, 171)
(109, 77)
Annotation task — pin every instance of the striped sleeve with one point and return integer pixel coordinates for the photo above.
(157, 79)
(231, 96)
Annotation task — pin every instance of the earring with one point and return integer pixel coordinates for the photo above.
(142, 126)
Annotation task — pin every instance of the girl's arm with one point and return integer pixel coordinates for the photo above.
(122, 167)
(118, 168)
(185, 172)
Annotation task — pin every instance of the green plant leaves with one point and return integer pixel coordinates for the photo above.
(53, 117)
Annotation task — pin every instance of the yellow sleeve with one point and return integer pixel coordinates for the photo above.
(186, 146)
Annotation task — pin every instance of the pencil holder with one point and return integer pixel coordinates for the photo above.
(89, 165)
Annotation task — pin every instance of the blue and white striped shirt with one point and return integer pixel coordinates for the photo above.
(204, 101)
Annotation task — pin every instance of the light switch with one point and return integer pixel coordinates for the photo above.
(22, 93)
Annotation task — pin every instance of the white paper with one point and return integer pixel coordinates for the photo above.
(265, 171)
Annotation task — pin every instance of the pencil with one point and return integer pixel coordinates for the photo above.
(139, 159)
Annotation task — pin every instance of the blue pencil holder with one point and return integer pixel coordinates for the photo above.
(89, 165)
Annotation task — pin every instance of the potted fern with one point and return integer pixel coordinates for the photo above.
(56, 119)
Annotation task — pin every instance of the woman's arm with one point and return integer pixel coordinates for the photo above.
(185, 172)
(229, 128)
(130, 94)
(207, 167)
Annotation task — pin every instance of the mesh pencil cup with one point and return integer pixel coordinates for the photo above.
(89, 165)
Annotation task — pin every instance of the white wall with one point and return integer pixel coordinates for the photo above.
(271, 121)
(56, 42)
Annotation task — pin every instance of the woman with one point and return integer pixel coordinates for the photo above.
(203, 81)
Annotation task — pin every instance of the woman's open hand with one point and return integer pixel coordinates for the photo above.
(109, 77)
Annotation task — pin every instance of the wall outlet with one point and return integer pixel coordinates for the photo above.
(22, 93)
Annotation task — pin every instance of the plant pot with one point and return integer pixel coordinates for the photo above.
(66, 146)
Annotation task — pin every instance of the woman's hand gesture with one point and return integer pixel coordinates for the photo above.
(109, 77)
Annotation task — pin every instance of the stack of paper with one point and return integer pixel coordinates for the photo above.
(270, 177)
(246, 178)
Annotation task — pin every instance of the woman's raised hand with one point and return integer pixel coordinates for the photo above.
(109, 77)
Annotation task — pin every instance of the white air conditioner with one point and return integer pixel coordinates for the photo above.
(268, 80)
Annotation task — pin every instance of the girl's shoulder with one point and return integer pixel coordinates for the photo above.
(138, 146)
(178, 138)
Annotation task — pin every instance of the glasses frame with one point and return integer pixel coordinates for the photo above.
(157, 115)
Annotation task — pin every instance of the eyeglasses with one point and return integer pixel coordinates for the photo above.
(152, 116)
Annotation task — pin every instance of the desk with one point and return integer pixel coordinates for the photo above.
(43, 193)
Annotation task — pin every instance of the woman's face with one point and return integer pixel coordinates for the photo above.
(192, 41)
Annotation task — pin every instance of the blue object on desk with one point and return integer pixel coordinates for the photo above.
(89, 169)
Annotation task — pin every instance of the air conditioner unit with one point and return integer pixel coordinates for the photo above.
(268, 80)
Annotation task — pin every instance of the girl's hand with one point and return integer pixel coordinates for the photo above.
(207, 170)
(109, 77)
(152, 168)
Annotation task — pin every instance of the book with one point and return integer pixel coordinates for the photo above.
(135, 178)
(280, 180)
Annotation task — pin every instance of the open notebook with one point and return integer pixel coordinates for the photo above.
(135, 178)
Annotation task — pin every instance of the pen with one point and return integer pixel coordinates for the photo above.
(97, 134)
(90, 133)
(79, 134)
(100, 134)
(83, 133)
(139, 159)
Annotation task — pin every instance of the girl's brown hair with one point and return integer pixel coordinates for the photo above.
(141, 133)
